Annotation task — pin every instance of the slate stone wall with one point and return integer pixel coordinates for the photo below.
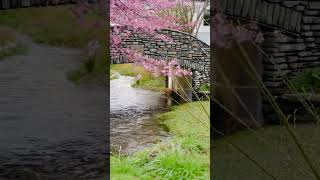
(297, 50)
(190, 52)
(277, 13)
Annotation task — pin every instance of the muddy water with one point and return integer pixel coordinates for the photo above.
(132, 113)
(50, 128)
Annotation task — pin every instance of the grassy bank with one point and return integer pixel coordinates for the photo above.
(185, 156)
(57, 26)
(147, 81)
(9, 44)
(276, 155)
(53, 25)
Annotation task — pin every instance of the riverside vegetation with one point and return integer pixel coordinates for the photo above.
(186, 155)
(144, 80)
(56, 25)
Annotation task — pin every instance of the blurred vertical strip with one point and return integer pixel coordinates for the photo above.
(107, 10)
(212, 80)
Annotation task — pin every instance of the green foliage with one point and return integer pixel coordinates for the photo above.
(57, 26)
(53, 25)
(307, 81)
(185, 156)
(206, 18)
(205, 87)
(93, 70)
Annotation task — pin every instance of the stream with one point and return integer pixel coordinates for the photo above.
(49, 127)
(132, 113)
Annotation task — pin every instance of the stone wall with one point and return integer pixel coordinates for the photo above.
(276, 13)
(190, 52)
(297, 50)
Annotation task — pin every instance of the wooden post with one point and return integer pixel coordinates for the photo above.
(231, 73)
(182, 86)
(170, 78)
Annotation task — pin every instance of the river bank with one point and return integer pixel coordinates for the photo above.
(132, 111)
(9, 45)
(57, 26)
(146, 81)
(186, 155)
(62, 127)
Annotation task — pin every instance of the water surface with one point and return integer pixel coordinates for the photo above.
(132, 110)
(49, 127)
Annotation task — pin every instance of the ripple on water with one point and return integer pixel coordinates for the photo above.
(132, 115)
(50, 128)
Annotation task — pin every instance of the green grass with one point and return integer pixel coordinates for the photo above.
(57, 26)
(275, 155)
(92, 70)
(185, 156)
(53, 25)
(147, 81)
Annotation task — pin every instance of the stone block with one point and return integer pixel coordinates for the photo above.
(314, 5)
(305, 53)
(252, 9)
(276, 15)
(246, 8)
(230, 7)
(290, 4)
(315, 27)
(270, 13)
(292, 47)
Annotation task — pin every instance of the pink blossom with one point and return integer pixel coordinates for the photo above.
(143, 17)
(225, 32)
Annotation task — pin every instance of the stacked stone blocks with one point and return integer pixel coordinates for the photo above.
(190, 52)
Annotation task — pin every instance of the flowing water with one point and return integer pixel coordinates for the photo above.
(132, 113)
(49, 127)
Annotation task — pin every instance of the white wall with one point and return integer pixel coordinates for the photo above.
(203, 31)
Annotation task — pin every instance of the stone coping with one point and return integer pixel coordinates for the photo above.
(309, 97)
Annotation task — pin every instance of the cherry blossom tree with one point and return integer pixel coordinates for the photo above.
(146, 17)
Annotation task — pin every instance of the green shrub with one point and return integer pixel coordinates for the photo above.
(205, 87)
(307, 81)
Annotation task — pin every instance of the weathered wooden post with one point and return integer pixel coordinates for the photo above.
(182, 86)
(170, 78)
(233, 84)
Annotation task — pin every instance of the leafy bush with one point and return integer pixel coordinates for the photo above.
(307, 81)
(205, 87)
